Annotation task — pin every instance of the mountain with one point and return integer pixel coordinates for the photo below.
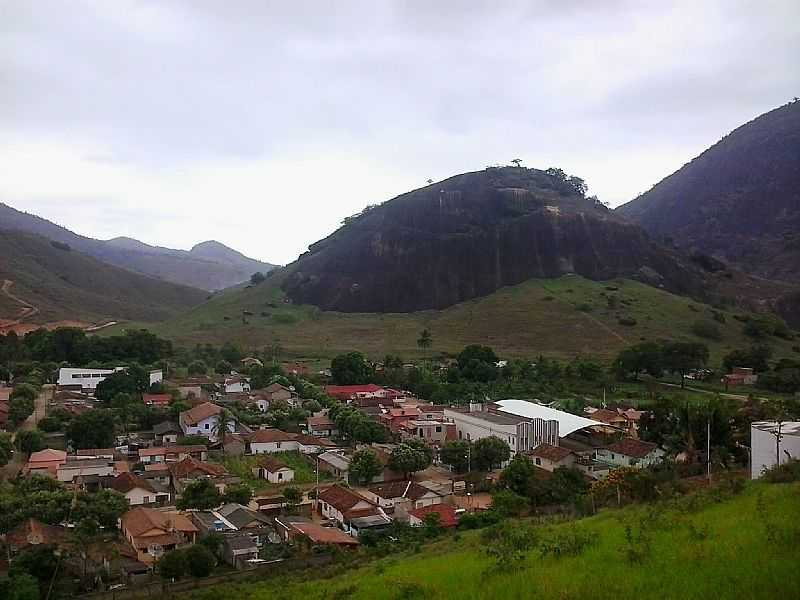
(472, 234)
(45, 281)
(739, 200)
(208, 266)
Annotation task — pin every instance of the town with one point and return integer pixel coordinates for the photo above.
(161, 466)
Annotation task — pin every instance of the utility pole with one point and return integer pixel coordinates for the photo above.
(708, 448)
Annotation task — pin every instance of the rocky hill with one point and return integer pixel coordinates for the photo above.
(739, 200)
(208, 266)
(472, 234)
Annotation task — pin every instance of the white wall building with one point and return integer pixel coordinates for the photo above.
(86, 378)
(767, 450)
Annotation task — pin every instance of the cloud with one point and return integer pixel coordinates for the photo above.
(263, 124)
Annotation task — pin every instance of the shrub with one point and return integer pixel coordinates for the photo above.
(706, 329)
(200, 560)
(627, 321)
(570, 541)
(783, 473)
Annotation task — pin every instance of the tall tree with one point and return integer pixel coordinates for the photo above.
(490, 451)
(425, 339)
(364, 466)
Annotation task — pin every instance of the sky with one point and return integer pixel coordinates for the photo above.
(263, 124)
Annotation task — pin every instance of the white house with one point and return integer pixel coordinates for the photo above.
(202, 420)
(341, 504)
(140, 491)
(87, 379)
(550, 458)
(273, 470)
(266, 441)
(80, 467)
(236, 384)
(630, 452)
(771, 445)
(408, 493)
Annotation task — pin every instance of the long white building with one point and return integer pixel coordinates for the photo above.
(766, 447)
(520, 423)
(87, 379)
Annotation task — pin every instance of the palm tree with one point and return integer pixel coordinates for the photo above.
(425, 339)
(226, 420)
(517, 162)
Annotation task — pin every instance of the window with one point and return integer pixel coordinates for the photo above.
(612, 456)
(438, 429)
(280, 476)
(277, 444)
(206, 426)
(538, 461)
(146, 499)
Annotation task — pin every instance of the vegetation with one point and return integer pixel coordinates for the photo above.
(534, 317)
(715, 545)
(364, 467)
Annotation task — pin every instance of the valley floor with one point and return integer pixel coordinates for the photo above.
(745, 547)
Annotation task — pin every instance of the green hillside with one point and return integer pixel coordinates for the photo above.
(62, 283)
(562, 317)
(732, 549)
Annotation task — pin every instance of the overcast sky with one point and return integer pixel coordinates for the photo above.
(263, 124)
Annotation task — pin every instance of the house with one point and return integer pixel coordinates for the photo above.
(190, 469)
(630, 452)
(772, 443)
(139, 491)
(373, 394)
(376, 523)
(235, 518)
(167, 432)
(740, 376)
(239, 551)
(273, 470)
(409, 493)
(264, 441)
(341, 504)
(33, 532)
(83, 380)
(236, 384)
(45, 462)
(78, 466)
(157, 400)
(549, 457)
(321, 426)
(435, 433)
(234, 444)
(308, 534)
(152, 532)
(202, 420)
(335, 463)
(610, 417)
(446, 514)
(165, 454)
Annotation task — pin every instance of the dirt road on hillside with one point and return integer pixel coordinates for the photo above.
(28, 309)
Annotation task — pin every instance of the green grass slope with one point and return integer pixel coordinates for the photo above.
(720, 551)
(563, 317)
(66, 284)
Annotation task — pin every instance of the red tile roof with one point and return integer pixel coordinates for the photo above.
(324, 535)
(607, 416)
(200, 413)
(400, 489)
(165, 450)
(632, 447)
(447, 514)
(341, 498)
(125, 482)
(272, 464)
(33, 532)
(189, 466)
(351, 390)
(156, 399)
(550, 452)
(141, 520)
(266, 436)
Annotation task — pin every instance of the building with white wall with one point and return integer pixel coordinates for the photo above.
(771, 444)
(87, 379)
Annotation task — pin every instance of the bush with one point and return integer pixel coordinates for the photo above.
(627, 321)
(50, 424)
(570, 541)
(783, 473)
(200, 560)
(706, 329)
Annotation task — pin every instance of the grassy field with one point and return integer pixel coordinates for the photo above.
(721, 551)
(564, 317)
(303, 471)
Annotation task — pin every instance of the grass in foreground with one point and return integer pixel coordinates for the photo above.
(566, 317)
(724, 550)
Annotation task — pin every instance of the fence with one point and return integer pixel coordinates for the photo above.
(158, 589)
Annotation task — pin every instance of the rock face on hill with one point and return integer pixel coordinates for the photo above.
(208, 266)
(471, 234)
(739, 200)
